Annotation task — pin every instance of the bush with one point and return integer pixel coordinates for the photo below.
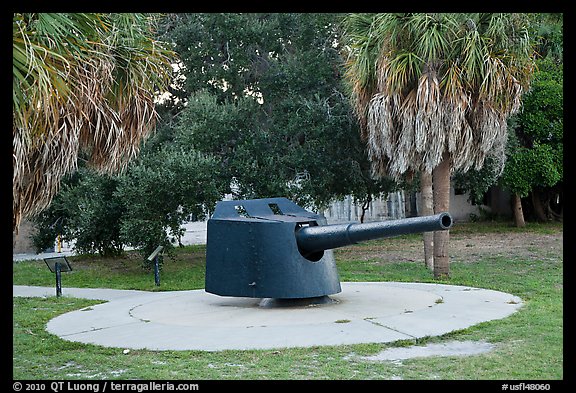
(160, 192)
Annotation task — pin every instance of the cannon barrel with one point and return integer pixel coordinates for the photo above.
(311, 239)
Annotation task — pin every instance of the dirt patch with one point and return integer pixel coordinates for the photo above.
(465, 247)
(452, 348)
(522, 245)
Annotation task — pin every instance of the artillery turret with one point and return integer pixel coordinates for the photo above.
(273, 248)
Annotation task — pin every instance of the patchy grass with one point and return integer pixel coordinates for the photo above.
(185, 270)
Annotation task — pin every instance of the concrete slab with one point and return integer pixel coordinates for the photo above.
(364, 312)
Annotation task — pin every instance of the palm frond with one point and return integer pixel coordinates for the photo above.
(403, 71)
(82, 83)
(439, 83)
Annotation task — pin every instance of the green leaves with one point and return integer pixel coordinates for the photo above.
(403, 71)
(163, 189)
(296, 137)
(434, 34)
(537, 159)
(528, 168)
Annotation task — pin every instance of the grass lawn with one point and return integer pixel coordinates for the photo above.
(528, 344)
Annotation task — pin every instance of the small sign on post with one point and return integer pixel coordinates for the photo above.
(58, 265)
(154, 257)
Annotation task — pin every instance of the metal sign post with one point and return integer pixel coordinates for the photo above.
(58, 265)
(58, 279)
(154, 256)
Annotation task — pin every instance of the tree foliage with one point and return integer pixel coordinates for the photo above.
(536, 153)
(536, 156)
(264, 96)
(162, 190)
(86, 211)
(256, 111)
(142, 208)
(535, 149)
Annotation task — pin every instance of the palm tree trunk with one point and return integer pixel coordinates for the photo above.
(427, 203)
(518, 212)
(441, 191)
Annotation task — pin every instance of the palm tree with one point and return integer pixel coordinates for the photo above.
(83, 85)
(433, 92)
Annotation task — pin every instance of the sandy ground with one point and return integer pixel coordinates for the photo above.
(473, 247)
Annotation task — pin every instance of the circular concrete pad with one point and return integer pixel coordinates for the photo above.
(364, 312)
(360, 302)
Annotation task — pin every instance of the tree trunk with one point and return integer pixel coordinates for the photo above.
(427, 203)
(518, 213)
(538, 208)
(441, 192)
(555, 200)
(365, 207)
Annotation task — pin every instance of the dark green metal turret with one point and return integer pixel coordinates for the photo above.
(273, 248)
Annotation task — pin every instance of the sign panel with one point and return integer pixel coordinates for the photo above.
(64, 264)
